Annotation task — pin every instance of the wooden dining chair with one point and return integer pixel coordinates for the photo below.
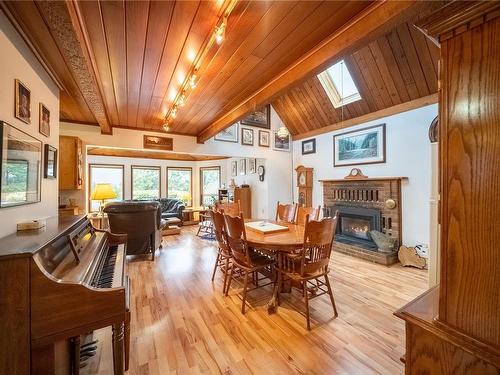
(229, 208)
(244, 260)
(309, 266)
(224, 256)
(302, 212)
(286, 212)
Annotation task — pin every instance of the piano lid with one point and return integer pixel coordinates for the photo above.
(27, 243)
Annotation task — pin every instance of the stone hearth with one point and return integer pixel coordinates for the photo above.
(362, 205)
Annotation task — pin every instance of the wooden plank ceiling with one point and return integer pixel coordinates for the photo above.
(151, 154)
(128, 57)
(399, 67)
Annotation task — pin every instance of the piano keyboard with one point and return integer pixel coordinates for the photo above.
(109, 272)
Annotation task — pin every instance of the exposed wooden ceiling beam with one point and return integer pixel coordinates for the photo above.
(366, 26)
(403, 107)
(62, 21)
(145, 154)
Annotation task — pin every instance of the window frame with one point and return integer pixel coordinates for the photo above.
(190, 169)
(215, 167)
(150, 167)
(333, 92)
(101, 165)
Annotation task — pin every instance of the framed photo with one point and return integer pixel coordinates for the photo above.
(365, 146)
(49, 162)
(264, 140)
(44, 120)
(281, 144)
(252, 165)
(234, 168)
(22, 107)
(20, 167)
(229, 134)
(158, 143)
(242, 167)
(309, 146)
(247, 137)
(260, 118)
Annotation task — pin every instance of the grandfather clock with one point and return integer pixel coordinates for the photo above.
(305, 185)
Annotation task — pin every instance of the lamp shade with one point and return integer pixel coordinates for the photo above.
(102, 192)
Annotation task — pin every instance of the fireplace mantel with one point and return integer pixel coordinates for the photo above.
(366, 179)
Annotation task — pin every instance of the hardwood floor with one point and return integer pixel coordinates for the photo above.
(181, 323)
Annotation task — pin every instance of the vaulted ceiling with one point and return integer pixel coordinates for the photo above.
(399, 67)
(118, 63)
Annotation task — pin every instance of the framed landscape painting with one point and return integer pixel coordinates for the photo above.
(260, 118)
(229, 134)
(280, 143)
(364, 146)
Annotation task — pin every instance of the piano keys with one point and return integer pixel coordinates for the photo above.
(56, 284)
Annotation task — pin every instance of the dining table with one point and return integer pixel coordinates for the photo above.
(280, 243)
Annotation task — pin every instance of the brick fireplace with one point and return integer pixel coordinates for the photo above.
(364, 204)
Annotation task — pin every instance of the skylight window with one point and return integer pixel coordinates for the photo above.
(339, 85)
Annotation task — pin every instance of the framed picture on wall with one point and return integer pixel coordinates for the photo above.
(281, 143)
(309, 146)
(260, 118)
(234, 168)
(20, 167)
(22, 106)
(364, 146)
(264, 139)
(44, 120)
(252, 165)
(242, 167)
(247, 137)
(49, 162)
(229, 134)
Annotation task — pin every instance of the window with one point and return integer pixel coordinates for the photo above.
(209, 185)
(339, 85)
(146, 182)
(105, 174)
(179, 184)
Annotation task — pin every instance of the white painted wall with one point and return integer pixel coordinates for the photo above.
(278, 163)
(408, 154)
(18, 62)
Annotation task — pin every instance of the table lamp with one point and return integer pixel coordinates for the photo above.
(101, 193)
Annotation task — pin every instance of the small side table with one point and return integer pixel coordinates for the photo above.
(99, 221)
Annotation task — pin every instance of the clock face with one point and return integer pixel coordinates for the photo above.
(260, 170)
(302, 179)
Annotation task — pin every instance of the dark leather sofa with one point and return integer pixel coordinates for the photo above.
(141, 221)
(171, 208)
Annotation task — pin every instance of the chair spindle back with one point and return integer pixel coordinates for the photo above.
(286, 212)
(236, 239)
(219, 231)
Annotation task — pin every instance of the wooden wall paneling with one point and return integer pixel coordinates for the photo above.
(403, 64)
(113, 19)
(413, 60)
(295, 45)
(191, 23)
(90, 11)
(237, 67)
(425, 58)
(160, 17)
(384, 72)
(392, 66)
(243, 18)
(136, 28)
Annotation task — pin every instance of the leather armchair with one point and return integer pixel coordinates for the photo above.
(141, 221)
(171, 208)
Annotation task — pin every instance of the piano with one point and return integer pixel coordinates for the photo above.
(58, 284)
